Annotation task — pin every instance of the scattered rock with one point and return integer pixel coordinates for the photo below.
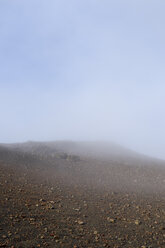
(138, 222)
(111, 220)
(80, 222)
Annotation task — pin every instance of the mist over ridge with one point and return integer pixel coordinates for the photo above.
(86, 70)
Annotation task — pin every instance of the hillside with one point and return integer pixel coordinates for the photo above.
(93, 163)
(85, 194)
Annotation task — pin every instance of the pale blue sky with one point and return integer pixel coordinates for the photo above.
(83, 70)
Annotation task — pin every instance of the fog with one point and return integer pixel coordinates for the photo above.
(83, 70)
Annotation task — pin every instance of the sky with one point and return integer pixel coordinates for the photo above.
(83, 70)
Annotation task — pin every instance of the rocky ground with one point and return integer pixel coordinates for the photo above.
(41, 210)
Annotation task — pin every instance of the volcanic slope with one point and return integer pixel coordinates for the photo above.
(80, 194)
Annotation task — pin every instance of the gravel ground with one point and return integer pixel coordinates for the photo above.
(54, 200)
(59, 215)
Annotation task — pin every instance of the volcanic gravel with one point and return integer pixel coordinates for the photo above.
(39, 210)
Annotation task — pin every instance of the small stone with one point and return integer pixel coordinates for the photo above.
(137, 222)
(77, 209)
(80, 222)
(96, 238)
(111, 220)
(9, 234)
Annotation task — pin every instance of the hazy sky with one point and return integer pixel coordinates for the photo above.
(83, 70)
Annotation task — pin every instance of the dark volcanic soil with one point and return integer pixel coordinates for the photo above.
(52, 198)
